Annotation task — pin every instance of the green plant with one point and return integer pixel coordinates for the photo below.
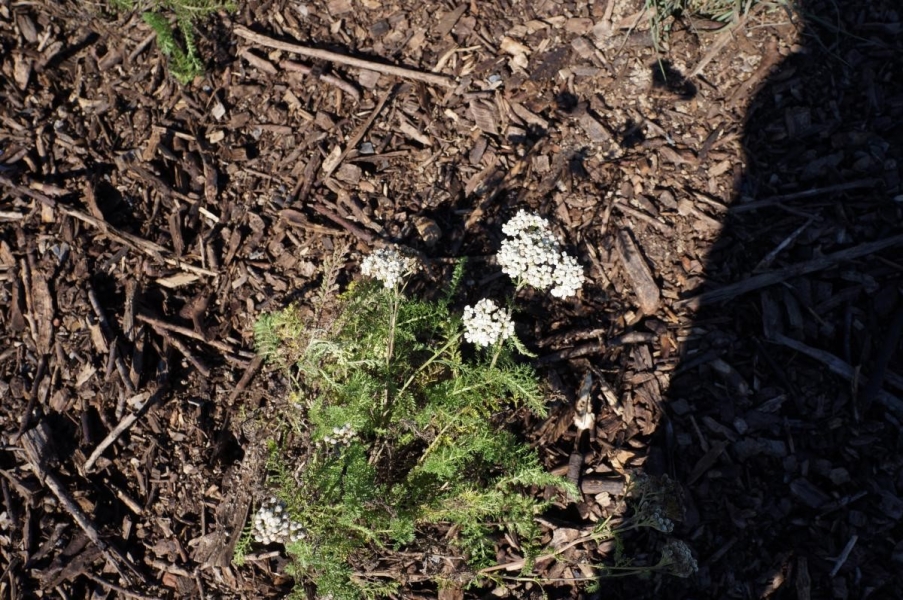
(184, 61)
(724, 11)
(404, 428)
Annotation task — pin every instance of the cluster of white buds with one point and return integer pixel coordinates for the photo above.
(388, 265)
(532, 254)
(486, 323)
(272, 524)
(656, 519)
(678, 558)
(340, 435)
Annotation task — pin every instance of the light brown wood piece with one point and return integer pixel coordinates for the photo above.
(638, 272)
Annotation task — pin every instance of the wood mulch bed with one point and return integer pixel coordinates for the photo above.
(735, 197)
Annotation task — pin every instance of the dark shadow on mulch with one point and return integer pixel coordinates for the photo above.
(809, 470)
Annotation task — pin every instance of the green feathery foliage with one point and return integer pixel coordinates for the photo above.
(724, 11)
(428, 447)
(184, 61)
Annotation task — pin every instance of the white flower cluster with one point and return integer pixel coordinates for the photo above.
(272, 524)
(677, 556)
(388, 265)
(340, 435)
(486, 323)
(533, 254)
(657, 520)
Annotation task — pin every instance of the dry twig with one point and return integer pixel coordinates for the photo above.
(757, 282)
(342, 59)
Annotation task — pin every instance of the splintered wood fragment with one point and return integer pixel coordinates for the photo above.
(116, 588)
(126, 423)
(592, 485)
(36, 445)
(246, 378)
(358, 135)
(448, 20)
(151, 249)
(258, 62)
(808, 193)
(644, 286)
(107, 333)
(594, 130)
(364, 236)
(763, 280)
(805, 491)
(879, 371)
(844, 555)
(707, 461)
(161, 324)
(803, 579)
(197, 363)
(342, 59)
(42, 306)
(484, 116)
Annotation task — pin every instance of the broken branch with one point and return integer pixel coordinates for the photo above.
(342, 59)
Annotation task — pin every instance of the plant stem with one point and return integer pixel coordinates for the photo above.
(393, 320)
(495, 356)
(432, 445)
(429, 361)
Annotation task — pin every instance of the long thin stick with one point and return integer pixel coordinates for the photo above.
(161, 324)
(116, 588)
(342, 59)
(124, 425)
(757, 282)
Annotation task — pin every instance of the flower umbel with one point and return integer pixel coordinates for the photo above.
(676, 556)
(532, 254)
(388, 265)
(485, 323)
(341, 436)
(272, 524)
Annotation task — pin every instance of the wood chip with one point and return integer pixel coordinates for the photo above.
(485, 116)
(638, 272)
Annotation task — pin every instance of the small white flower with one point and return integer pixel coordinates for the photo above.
(568, 276)
(532, 254)
(676, 555)
(272, 524)
(486, 323)
(340, 435)
(388, 265)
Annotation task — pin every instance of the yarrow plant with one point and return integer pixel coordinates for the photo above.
(400, 404)
(273, 525)
(388, 265)
(403, 429)
(485, 324)
(532, 255)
